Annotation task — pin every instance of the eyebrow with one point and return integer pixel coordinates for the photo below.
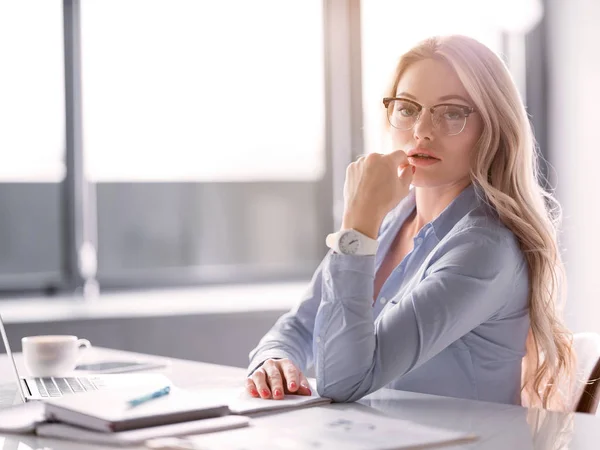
(441, 99)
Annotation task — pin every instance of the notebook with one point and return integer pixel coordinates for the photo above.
(109, 411)
(196, 427)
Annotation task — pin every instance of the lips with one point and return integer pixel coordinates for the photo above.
(416, 161)
(422, 153)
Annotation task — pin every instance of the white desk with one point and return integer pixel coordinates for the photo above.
(500, 427)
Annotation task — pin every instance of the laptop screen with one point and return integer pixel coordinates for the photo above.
(11, 360)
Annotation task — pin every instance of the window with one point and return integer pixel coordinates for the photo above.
(214, 133)
(32, 119)
(204, 131)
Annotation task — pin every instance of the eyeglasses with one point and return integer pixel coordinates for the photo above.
(448, 118)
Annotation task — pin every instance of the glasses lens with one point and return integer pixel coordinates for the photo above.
(402, 115)
(449, 120)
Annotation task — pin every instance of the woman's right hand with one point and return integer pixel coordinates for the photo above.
(275, 378)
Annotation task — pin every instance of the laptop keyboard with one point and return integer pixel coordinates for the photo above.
(57, 387)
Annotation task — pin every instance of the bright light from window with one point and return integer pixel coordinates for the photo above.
(32, 117)
(23, 446)
(225, 90)
(391, 27)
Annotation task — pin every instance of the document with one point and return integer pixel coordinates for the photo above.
(240, 402)
(323, 428)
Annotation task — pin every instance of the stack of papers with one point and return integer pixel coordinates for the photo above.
(141, 435)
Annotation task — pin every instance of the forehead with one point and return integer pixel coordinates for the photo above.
(429, 79)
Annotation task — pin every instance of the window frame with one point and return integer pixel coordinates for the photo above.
(344, 142)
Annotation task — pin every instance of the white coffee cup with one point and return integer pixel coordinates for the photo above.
(49, 356)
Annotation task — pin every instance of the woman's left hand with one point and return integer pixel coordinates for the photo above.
(374, 185)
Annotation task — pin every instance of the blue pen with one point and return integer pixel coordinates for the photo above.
(144, 398)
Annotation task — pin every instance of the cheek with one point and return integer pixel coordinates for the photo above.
(462, 147)
(401, 140)
(458, 154)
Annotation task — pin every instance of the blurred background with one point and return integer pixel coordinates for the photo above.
(169, 169)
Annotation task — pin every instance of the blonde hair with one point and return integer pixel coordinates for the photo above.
(550, 431)
(505, 167)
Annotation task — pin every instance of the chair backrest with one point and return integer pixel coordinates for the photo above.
(586, 390)
(588, 402)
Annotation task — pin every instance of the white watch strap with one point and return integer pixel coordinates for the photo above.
(366, 245)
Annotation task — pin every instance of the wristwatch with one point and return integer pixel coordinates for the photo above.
(352, 242)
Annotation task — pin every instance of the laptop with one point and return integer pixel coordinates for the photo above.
(43, 388)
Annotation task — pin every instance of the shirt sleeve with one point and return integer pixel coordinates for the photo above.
(470, 279)
(292, 335)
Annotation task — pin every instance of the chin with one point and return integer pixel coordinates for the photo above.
(424, 181)
(429, 180)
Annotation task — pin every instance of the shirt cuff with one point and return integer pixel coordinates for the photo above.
(356, 263)
(348, 276)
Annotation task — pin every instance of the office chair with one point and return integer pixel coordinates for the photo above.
(586, 393)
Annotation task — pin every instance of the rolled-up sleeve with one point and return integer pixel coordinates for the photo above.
(470, 279)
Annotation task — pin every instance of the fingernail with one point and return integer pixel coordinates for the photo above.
(414, 169)
(265, 393)
(292, 385)
(254, 392)
(277, 393)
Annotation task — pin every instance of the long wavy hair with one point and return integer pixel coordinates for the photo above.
(505, 167)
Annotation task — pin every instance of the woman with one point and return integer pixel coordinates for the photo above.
(449, 288)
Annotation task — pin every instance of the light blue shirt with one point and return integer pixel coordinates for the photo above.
(451, 319)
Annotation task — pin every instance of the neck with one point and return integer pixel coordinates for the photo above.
(431, 202)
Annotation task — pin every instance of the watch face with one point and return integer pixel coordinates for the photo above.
(349, 243)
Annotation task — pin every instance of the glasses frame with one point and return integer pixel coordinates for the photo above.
(468, 110)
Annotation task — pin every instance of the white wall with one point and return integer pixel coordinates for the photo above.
(574, 139)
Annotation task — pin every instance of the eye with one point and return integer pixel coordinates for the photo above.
(453, 113)
(406, 109)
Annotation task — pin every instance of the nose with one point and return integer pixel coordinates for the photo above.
(423, 128)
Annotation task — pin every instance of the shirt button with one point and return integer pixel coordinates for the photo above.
(382, 300)
(419, 241)
(318, 339)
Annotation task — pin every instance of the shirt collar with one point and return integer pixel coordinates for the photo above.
(467, 200)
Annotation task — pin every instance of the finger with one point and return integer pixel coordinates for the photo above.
(290, 372)
(398, 157)
(274, 379)
(260, 381)
(251, 387)
(304, 386)
(406, 175)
